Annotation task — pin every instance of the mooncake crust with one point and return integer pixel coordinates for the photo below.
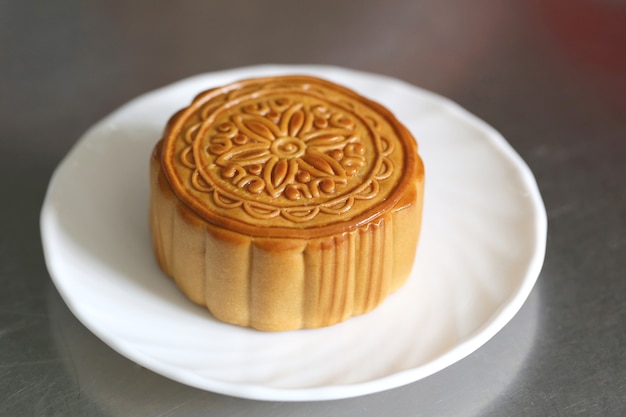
(213, 175)
(286, 202)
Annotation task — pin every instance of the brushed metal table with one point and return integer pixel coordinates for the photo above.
(549, 75)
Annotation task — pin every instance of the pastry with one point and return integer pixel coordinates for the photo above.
(285, 202)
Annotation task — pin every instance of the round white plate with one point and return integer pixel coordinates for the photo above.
(481, 250)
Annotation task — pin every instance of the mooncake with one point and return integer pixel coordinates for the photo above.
(286, 202)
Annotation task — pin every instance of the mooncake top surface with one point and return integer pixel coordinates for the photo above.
(289, 156)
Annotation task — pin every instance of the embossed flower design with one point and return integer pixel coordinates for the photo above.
(287, 149)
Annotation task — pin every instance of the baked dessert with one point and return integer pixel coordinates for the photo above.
(285, 202)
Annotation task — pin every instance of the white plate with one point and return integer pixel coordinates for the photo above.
(481, 250)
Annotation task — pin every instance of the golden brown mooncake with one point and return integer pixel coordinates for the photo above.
(286, 202)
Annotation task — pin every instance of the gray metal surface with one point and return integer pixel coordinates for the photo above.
(550, 77)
